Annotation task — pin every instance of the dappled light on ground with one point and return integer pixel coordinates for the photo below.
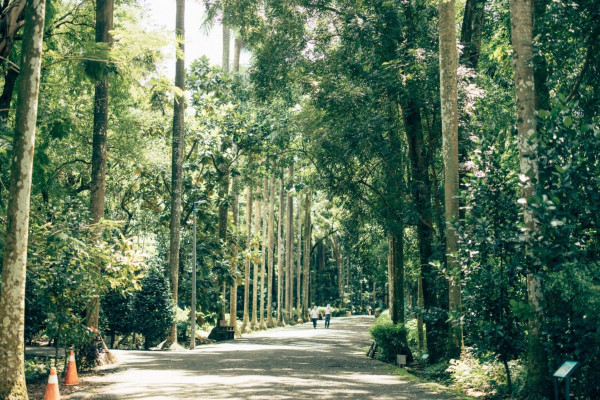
(296, 362)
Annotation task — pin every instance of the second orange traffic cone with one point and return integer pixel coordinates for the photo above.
(71, 376)
(52, 388)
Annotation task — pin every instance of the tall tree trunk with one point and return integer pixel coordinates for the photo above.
(299, 263)
(449, 106)
(521, 19)
(289, 250)
(246, 320)
(396, 277)
(270, 255)
(263, 262)
(306, 256)
(237, 46)
(470, 35)
(7, 92)
(338, 264)
(235, 210)
(224, 175)
(226, 47)
(280, 253)
(421, 191)
(104, 24)
(374, 291)
(12, 296)
(177, 159)
(421, 306)
(257, 215)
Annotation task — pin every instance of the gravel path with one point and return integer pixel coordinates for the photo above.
(296, 362)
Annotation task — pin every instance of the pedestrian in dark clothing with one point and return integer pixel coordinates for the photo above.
(327, 315)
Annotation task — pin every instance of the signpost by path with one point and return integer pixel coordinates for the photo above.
(564, 372)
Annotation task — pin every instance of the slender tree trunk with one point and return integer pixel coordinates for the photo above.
(104, 24)
(235, 210)
(177, 160)
(280, 253)
(374, 291)
(521, 17)
(226, 47)
(263, 265)
(7, 92)
(289, 250)
(421, 191)
(237, 46)
(224, 175)
(299, 263)
(396, 278)
(449, 103)
(306, 256)
(12, 296)
(257, 215)
(470, 36)
(421, 305)
(270, 255)
(246, 320)
(338, 264)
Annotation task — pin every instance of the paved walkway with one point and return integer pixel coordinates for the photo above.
(296, 362)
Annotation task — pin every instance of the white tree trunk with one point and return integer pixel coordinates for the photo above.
(12, 296)
(521, 19)
(270, 256)
(449, 103)
(263, 264)
(280, 253)
(246, 319)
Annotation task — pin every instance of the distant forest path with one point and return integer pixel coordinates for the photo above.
(295, 362)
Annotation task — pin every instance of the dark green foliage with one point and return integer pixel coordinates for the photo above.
(568, 207)
(152, 308)
(492, 253)
(390, 339)
(116, 315)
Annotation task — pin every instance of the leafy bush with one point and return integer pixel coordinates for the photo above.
(390, 339)
(36, 369)
(153, 308)
(476, 376)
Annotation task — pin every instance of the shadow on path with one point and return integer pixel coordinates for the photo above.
(296, 362)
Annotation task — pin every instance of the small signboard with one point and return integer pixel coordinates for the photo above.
(566, 370)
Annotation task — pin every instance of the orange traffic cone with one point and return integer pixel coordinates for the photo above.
(52, 388)
(71, 377)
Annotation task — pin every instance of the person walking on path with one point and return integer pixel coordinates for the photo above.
(327, 315)
(314, 315)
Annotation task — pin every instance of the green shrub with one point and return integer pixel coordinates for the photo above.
(390, 339)
(36, 369)
(152, 307)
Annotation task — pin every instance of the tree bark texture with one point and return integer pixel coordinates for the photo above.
(237, 49)
(11, 20)
(226, 47)
(421, 192)
(396, 277)
(12, 296)
(470, 36)
(289, 250)
(177, 160)
(270, 255)
(246, 320)
(306, 255)
(299, 263)
(263, 266)
(521, 20)
(449, 106)
(280, 251)
(257, 215)
(104, 24)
